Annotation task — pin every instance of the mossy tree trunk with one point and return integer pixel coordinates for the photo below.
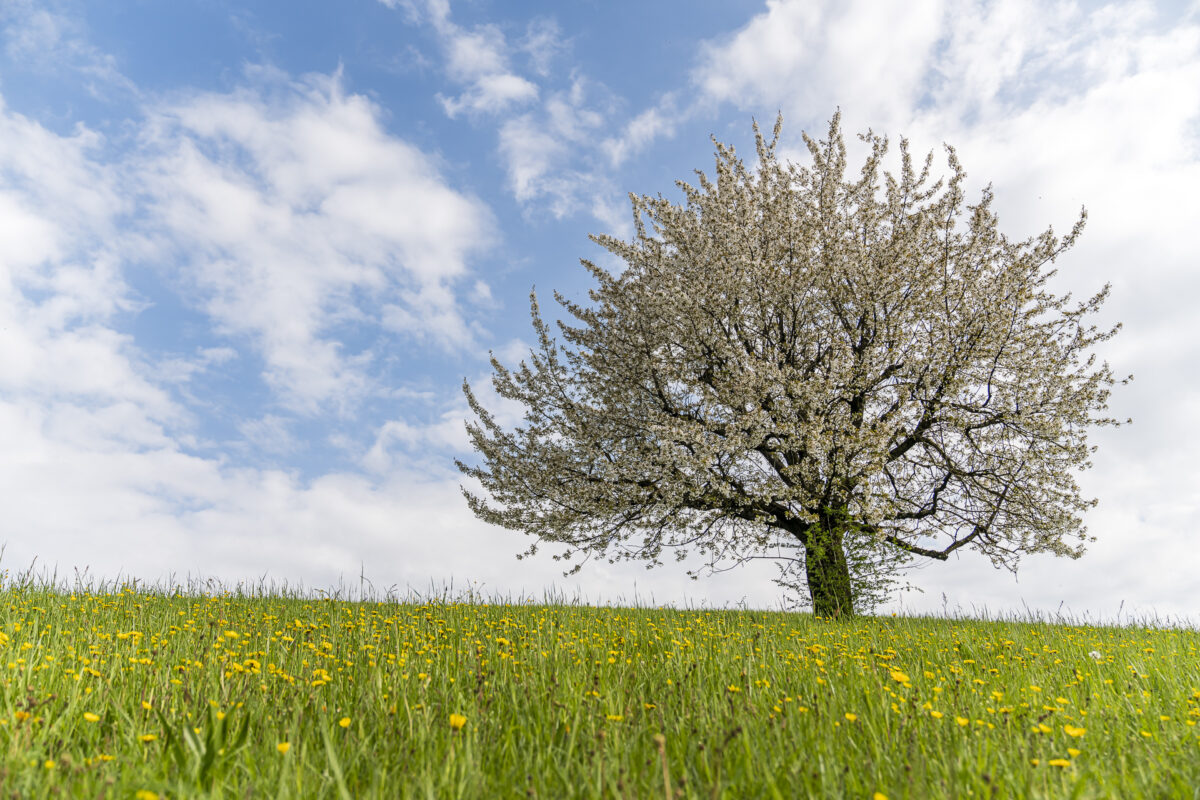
(826, 568)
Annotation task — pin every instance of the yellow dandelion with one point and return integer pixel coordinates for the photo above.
(649, 706)
(21, 716)
(879, 796)
(936, 714)
(283, 747)
(734, 689)
(963, 721)
(1059, 762)
(146, 705)
(851, 717)
(1072, 752)
(614, 717)
(90, 717)
(1072, 731)
(344, 722)
(147, 737)
(899, 677)
(145, 794)
(457, 721)
(49, 764)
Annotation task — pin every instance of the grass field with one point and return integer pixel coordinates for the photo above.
(145, 693)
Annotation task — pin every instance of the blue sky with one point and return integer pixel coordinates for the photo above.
(249, 251)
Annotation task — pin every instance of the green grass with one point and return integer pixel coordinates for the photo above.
(115, 692)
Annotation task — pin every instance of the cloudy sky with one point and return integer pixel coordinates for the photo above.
(248, 253)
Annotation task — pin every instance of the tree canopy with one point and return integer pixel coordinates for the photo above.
(862, 370)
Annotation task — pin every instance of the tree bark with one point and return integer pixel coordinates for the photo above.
(827, 570)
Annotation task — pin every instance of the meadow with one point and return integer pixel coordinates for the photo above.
(146, 693)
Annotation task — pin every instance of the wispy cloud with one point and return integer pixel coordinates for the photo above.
(550, 139)
(292, 211)
(660, 121)
(45, 41)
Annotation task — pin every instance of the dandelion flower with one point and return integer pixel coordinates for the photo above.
(1059, 762)
(457, 721)
(1072, 752)
(899, 677)
(90, 717)
(614, 717)
(147, 737)
(1072, 731)
(145, 794)
(963, 721)
(851, 717)
(49, 764)
(734, 689)
(1096, 654)
(283, 747)
(344, 722)
(936, 714)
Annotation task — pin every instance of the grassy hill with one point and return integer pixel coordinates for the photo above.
(134, 692)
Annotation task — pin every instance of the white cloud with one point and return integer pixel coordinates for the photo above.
(60, 281)
(479, 59)
(542, 43)
(807, 56)
(178, 370)
(530, 153)
(548, 155)
(491, 94)
(42, 40)
(268, 434)
(473, 54)
(653, 123)
(549, 151)
(295, 211)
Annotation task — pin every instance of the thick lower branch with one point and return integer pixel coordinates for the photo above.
(940, 555)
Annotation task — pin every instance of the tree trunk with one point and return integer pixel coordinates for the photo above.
(827, 570)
